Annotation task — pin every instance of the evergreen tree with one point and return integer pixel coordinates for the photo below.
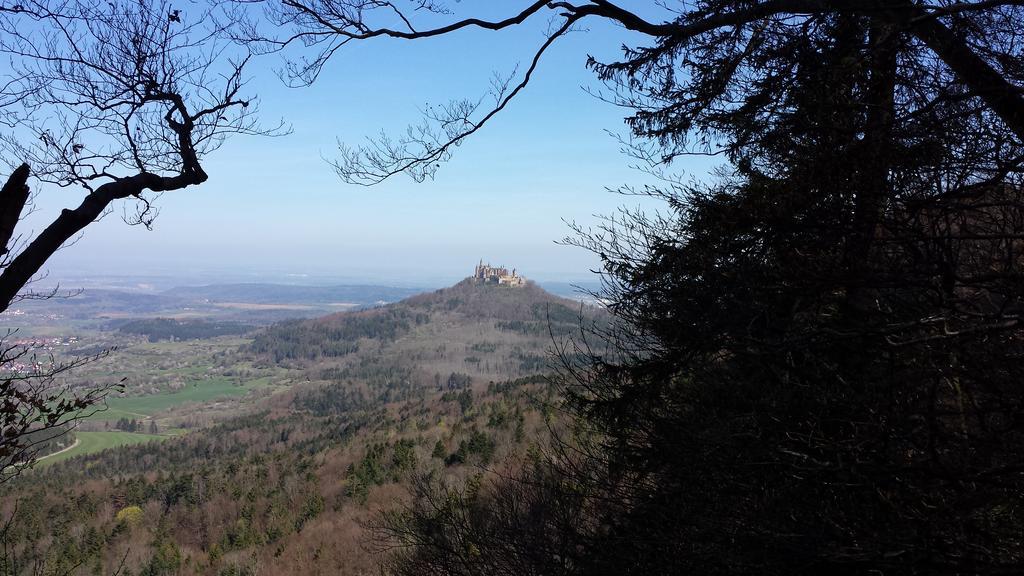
(814, 369)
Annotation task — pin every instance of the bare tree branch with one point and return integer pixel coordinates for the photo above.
(328, 25)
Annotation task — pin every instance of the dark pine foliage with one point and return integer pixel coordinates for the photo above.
(333, 336)
(819, 371)
(818, 362)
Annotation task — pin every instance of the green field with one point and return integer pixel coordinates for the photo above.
(199, 391)
(89, 442)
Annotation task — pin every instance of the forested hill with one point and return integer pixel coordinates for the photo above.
(495, 315)
(442, 385)
(482, 331)
(473, 300)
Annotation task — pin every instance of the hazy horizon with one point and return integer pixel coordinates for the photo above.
(168, 275)
(157, 279)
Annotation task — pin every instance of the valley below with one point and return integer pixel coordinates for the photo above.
(236, 439)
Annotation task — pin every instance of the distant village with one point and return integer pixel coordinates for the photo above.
(31, 364)
(487, 274)
(20, 312)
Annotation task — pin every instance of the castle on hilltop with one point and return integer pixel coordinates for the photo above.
(487, 274)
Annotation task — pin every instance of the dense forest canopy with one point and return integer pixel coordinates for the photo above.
(156, 329)
(285, 486)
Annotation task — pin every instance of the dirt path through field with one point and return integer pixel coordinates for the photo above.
(61, 451)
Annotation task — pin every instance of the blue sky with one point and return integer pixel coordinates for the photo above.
(273, 206)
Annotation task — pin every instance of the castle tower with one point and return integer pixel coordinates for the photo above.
(487, 274)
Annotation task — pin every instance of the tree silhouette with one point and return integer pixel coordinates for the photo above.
(815, 367)
(122, 100)
(951, 36)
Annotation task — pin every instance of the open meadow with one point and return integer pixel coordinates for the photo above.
(92, 442)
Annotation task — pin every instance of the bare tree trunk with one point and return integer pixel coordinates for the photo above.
(13, 197)
(70, 222)
(873, 186)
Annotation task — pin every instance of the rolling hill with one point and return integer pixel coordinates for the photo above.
(486, 332)
(448, 383)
